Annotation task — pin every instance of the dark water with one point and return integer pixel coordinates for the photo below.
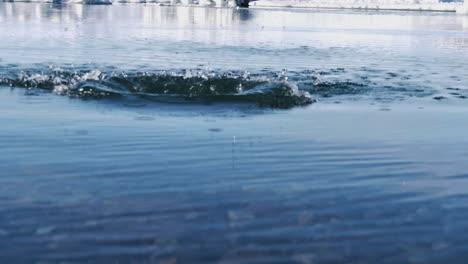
(149, 134)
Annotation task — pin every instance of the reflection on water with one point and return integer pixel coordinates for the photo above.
(186, 16)
(145, 14)
(233, 26)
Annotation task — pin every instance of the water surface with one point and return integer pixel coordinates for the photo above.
(125, 171)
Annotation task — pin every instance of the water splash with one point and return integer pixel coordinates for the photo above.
(184, 86)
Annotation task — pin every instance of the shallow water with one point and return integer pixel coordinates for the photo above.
(123, 171)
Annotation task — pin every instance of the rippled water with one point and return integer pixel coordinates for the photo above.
(157, 134)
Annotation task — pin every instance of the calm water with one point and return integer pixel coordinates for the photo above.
(161, 134)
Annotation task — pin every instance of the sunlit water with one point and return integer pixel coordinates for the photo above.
(152, 134)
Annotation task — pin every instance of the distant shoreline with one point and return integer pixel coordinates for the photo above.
(424, 5)
(435, 7)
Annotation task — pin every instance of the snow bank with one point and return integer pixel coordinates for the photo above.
(417, 5)
(423, 5)
(90, 2)
(463, 9)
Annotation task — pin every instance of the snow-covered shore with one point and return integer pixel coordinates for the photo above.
(424, 5)
(463, 9)
(408, 5)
